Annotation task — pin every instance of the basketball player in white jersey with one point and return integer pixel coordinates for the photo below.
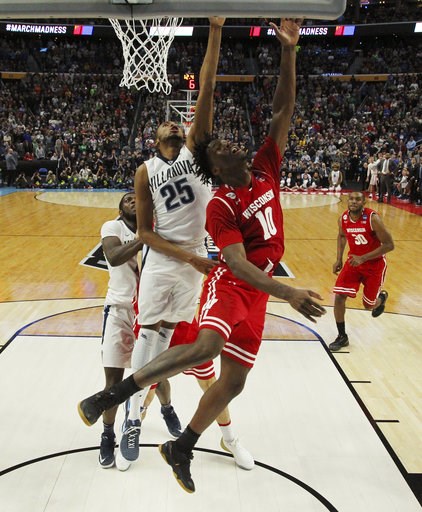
(120, 247)
(170, 197)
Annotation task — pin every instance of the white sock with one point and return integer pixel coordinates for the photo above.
(227, 432)
(143, 352)
(135, 405)
(163, 340)
(144, 348)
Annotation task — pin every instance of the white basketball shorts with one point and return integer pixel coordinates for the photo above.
(118, 337)
(169, 288)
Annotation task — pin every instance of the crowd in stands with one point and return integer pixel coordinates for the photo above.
(95, 134)
(385, 12)
(315, 59)
(391, 56)
(78, 56)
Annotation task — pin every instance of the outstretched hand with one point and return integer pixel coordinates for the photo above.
(302, 301)
(288, 31)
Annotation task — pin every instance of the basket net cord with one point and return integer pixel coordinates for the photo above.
(145, 45)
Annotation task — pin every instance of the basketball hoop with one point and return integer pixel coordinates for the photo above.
(145, 44)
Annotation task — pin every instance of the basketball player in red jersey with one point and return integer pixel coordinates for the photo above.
(245, 220)
(205, 376)
(185, 333)
(369, 241)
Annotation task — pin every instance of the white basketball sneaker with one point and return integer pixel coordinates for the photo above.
(240, 454)
(121, 463)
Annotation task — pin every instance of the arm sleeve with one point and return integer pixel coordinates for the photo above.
(268, 159)
(221, 223)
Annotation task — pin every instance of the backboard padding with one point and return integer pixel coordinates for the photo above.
(36, 9)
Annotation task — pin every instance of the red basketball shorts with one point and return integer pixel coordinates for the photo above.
(371, 274)
(237, 312)
(187, 333)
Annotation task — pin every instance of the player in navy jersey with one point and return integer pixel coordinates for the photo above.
(245, 221)
(368, 239)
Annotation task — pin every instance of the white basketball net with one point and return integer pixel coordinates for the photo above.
(146, 44)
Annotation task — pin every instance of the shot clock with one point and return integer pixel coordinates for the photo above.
(189, 81)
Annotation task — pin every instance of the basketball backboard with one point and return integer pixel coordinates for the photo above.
(122, 9)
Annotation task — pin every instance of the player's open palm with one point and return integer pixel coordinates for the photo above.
(302, 301)
(288, 31)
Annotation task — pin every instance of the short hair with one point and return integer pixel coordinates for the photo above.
(123, 198)
(202, 160)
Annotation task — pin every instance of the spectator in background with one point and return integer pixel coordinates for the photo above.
(11, 166)
(411, 144)
(21, 181)
(403, 186)
(388, 167)
(306, 181)
(372, 175)
(36, 180)
(64, 177)
(39, 150)
(315, 180)
(50, 180)
(118, 180)
(419, 186)
(291, 183)
(325, 173)
(335, 178)
(90, 181)
(75, 180)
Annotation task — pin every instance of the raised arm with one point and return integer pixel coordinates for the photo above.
(285, 93)
(204, 110)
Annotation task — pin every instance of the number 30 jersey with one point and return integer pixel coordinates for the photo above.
(360, 235)
(180, 198)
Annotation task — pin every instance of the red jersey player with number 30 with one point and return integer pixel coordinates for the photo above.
(368, 241)
(245, 221)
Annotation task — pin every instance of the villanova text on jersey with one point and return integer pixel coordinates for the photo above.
(179, 168)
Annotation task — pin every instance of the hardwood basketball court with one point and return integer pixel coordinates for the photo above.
(328, 432)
